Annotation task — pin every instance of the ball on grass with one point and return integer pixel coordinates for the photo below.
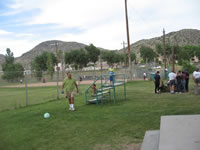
(46, 115)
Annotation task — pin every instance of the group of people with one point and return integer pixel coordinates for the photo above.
(178, 82)
(196, 77)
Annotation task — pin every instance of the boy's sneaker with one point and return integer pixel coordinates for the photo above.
(73, 109)
(70, 108)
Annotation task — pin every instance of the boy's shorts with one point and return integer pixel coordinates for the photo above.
(172, 82)
(69, 95)
(111, 78)
(197, 81)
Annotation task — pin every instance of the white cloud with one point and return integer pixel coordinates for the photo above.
(110, 35)
(24, 35)
(3, 32)
(18, 47)
(102, 22)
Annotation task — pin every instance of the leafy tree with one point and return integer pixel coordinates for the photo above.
(9, 57)
(81, 58)
(109, 57)
(133, 58)
(44, 62)
(78, 58)
(193, 50)
(12, 72)
(93, 53)
(68, 58)
(112, 57)
(51, 61)
(187, 66)
(159, 49)
(147, 54)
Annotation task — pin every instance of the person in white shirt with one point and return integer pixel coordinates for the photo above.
(144, 75)
(196, 77)
(172, 78)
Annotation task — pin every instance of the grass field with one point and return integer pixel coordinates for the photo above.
(91, 127)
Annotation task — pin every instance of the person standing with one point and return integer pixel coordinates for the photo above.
(111, 73)
(196, 77)
(157, 82)
(187, 81)
(144, 75)
(172, 78)
(178, 81)
(184, 81)
(69, 85)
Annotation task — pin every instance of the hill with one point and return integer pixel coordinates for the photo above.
(49, 46)
(182, 37)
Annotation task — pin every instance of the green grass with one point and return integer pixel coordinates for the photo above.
(91, 126)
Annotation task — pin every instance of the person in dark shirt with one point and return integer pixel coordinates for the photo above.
(178, 81)
(184, 81)
(157, 81)
(187, 81)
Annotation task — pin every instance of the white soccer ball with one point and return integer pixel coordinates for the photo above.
(46, 115)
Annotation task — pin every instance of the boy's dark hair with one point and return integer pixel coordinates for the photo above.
(158, 72)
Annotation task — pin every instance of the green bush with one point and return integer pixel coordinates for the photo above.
(187, 66)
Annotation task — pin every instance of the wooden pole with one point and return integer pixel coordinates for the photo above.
(128, 40)
(164, 48)
(173, 61)
(124, 53)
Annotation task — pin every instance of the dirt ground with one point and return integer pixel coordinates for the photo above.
(132, 146)
(46, 84)
(52, 84)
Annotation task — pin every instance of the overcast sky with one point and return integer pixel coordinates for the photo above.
(26, 23)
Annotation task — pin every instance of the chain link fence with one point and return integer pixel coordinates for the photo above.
(41, 87)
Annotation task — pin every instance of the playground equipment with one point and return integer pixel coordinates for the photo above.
(106, 90)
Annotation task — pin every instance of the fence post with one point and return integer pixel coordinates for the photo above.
(26, 88)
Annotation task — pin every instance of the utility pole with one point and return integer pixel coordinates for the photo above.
(124, 53)
(57, 68)
(128, 41)
(173, 59)
(164, 48)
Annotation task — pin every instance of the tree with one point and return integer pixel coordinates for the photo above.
(133, 58)
(78, 58)
(44, 62)
(93, 53)
(68, 58)
(159, 49)
(109, 57)
(187, 66)
(12, 72)
(9, 57)
(147, 54)
(51, 62)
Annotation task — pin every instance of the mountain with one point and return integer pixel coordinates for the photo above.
(182, 37)
(49, 46)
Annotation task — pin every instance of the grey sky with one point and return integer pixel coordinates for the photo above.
(24, 24)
